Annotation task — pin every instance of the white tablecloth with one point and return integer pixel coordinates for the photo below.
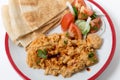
(111, 73)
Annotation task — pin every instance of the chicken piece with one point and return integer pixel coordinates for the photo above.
(93, 40)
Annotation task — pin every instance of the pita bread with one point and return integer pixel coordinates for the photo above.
(25, 40)
(19, 32)
(29, 2)
(37, 15)
(37, 18)
(7, 22)
(17, 24)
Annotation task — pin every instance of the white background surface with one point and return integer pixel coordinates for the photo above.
(111, 73)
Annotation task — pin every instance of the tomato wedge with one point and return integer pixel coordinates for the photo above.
(66, 21)
(75, 31)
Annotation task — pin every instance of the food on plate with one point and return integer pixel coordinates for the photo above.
(95, 24)
(74, 31)
(74, 49)
(94, 40)
(43, 11)
(26, 39)
(66, 20)
(78, 3)
(25, 17)
(82, 16)
(61, 54)
(66, 53)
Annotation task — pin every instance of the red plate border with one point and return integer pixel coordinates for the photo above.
(94, 76)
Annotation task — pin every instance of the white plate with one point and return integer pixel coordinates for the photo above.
(17, 55)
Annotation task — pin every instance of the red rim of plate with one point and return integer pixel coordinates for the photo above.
(95, 75)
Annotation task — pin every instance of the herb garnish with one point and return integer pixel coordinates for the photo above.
(42, 53)
(92, 58)
(91, 54)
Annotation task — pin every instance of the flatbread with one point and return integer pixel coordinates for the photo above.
(25, 40)
(19, 27)
(19, 31)
(29, 2)
(24, 22)
(43, 11)
(7, 22)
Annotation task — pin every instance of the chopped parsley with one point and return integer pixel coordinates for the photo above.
(42, 53)
(92, 58)
(90, 55)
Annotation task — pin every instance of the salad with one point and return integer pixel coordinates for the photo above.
(81, 20)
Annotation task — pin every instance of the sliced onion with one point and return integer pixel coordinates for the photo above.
(87, 23)
(87, 26)
(70, 7)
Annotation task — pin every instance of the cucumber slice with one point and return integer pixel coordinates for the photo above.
(79, 21)
(87, 27)
(86, 30)
(82, 26)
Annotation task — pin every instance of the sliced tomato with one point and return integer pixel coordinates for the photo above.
(75, 31)
(79, 3)
(66, 21)
(95, 24)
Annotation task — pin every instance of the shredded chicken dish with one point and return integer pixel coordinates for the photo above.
(61, 54)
